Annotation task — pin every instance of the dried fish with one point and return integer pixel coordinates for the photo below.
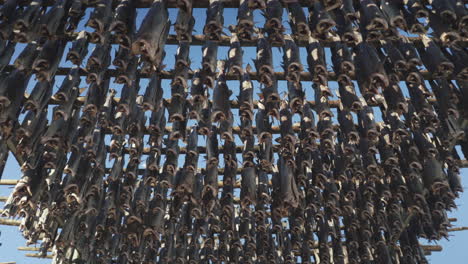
(185, 22)
(48, 59)
(11, 95)
(152, 34)
(368, 164)
(214, 20)
(53, 18)
(245, 23)
(221, 93)
(320, 21)
(79, 49)
(124, 19)
(299, 24)
(39, 97)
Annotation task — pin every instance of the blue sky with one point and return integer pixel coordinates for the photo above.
(454, 250)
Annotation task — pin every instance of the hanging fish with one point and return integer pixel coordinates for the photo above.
(185, 21)
(79, 49)
(123, 22)
(245, 23)
(297, 19)
(214, 20)
(53, 19)
(48, 59)
(152, 34)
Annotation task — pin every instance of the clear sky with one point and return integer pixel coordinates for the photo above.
(455, 250)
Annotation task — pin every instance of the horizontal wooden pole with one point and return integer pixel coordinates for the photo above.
(455, 229)
(202, 150)
(9, 222)
(315, 245)
(220, 172)
(432, 247)
(172, 3)
(234, 103)
(3, 198)
(37, 255)
(300, 41)
(235, 130)
(305, 76)
(8, 182)
(31, 249)
(200, 40)
(236, 184)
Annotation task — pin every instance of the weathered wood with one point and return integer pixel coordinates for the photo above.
(8, 182)
(31, 249)
(173, 3)
(9, 222)
(37, 255)
(301, 41)
(463, 228)
(305, 76)
(432, 247)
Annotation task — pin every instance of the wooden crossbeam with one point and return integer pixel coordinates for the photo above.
(9, 222)
(455, 229)
(305, 76)
(37, 255)
(239, 149)
(432, 247)
(463, 164)
(202, 150)
(31, 249)
(199, 40)
(315, 244)
(172, 3)
(8, 182)
(234, 103)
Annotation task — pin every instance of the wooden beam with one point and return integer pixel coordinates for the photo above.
(9, 222)
(31, 249)
(432, 247)
(172, 3)
(3, 198)
(37, 255)
(315, 244)
(8, 182)
(305, 76)
(220, 172)
(80, 100)
(200, 40)
(455, 229)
